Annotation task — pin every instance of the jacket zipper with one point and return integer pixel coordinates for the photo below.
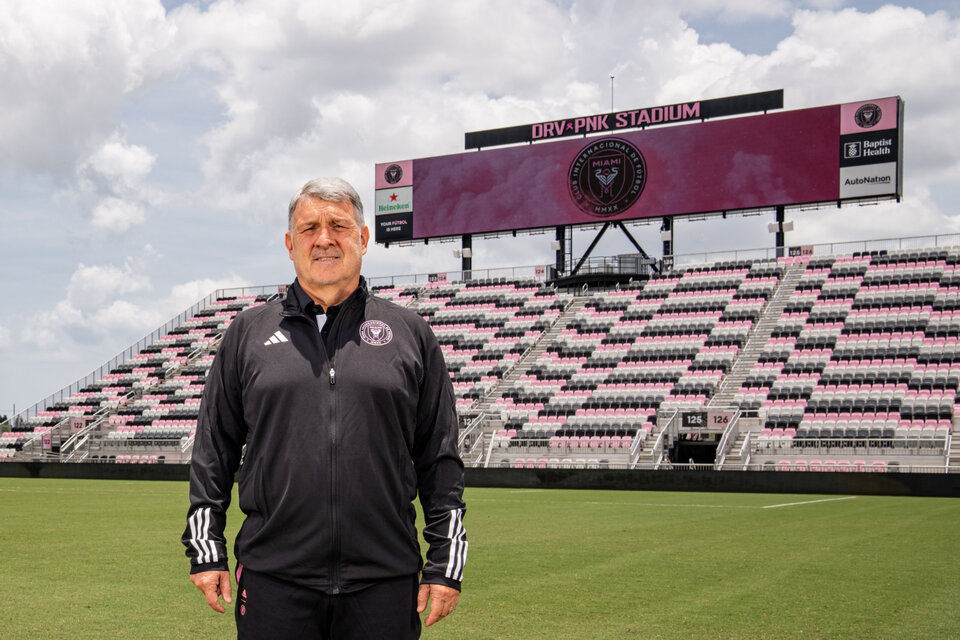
(334, 488)
(334, 482)
(334, 467)
(334, 471)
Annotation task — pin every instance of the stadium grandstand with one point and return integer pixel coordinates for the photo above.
(844, 359)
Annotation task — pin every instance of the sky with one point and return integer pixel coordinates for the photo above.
(148, 149)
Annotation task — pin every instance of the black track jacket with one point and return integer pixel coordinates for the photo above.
(338, 445)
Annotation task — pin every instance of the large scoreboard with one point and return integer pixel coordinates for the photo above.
(622, 167)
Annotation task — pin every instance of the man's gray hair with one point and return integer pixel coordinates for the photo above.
(328, 190)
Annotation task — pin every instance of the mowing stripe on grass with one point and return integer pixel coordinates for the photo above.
(795, 504)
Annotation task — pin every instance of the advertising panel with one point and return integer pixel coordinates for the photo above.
(821, 154)
(870, 140)
(630, 119)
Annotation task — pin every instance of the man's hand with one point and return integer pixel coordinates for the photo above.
(214, 584)
(443, 600)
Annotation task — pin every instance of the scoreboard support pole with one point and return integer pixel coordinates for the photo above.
(561, 253)
(466, 253)
(780, 239)
(666, 235)
(607, 225)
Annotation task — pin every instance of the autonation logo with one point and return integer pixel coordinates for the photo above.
(869, 180)
(851, 182)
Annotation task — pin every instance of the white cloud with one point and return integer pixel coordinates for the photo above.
(124, 318)
(124, 164)
(116, 216)
(915, 215)
(91, 286)
(6, 338)
(66, 68)
(185, 294)
(107, 303)
(112, 180)
(46, 329)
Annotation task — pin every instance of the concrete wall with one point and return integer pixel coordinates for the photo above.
(892, 484)
(94, 471)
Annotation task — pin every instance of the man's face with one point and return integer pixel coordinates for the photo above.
(326, 248)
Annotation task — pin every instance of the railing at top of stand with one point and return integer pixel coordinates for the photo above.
(141, 344)
(117, 360)
(827, 248)
(634, 263)
(531, 272)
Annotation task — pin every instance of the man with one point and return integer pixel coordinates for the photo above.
(346, 411)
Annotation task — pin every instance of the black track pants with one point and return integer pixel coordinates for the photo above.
(271, 609)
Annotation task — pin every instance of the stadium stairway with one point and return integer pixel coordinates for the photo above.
(539, 348)
(491, 419)
(757, 339)
(753, 349)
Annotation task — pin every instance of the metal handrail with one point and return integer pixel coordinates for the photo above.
(730, 434)
(745, 447)
(473, 426)
(70, 446)
(493, 439)
(658, 447)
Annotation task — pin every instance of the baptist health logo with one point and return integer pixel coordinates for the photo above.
(853, 150)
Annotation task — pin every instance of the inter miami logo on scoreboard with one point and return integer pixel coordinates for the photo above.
(868, 116)
(607, 177)
(393, 174)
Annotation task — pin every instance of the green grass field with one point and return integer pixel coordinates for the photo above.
(102, 559)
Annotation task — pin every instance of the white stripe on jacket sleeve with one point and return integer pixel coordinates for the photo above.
(200, 536)
(458, 546)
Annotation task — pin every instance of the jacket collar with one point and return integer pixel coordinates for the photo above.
(297, 300)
